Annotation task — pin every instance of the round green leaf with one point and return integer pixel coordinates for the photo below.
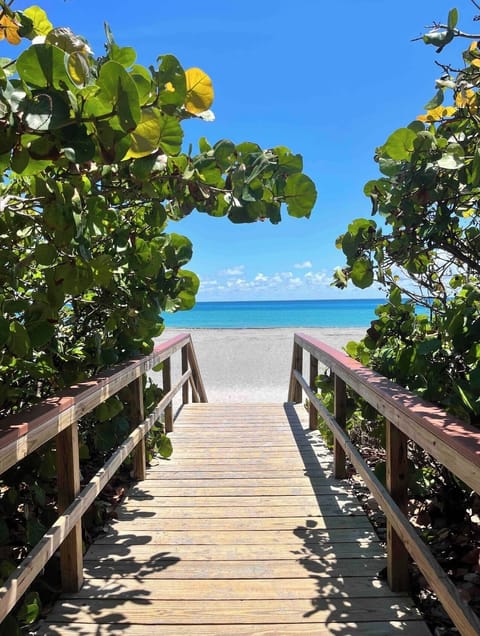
(399, 145)
(362, 273)
(42, 65)
(300, 195)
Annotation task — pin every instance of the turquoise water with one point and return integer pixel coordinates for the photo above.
(276, 313)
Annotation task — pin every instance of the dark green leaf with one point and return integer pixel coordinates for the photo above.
(452, 18)
(436, 100)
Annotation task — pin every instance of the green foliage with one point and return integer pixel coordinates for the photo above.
(93, 170)
(423, 252)
(426, 246)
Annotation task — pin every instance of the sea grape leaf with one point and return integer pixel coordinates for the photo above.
(171, 81)
(362, 272)
(41, 25)
(300, 195)
(164, 446)
(42, 65)
(200, 94)
(399, 145)
(119, 89)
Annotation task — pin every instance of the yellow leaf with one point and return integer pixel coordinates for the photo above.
(41, 24)
(169, 87)
(437, 114)
(146, 136)
(475, 62)
(473, 47)
(199, 91)
(466, 98)
(77, 67)
(9, 30)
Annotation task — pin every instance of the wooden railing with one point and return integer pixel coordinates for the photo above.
(57, 417)
(451, 442)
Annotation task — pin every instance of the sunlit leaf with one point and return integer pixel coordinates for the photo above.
(40, 21)
(199, 95)
(9, 30)
(399, 145)
(77, 68)
(437, 114)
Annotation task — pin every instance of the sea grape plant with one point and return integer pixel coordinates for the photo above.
(93, 171)
(424, 249)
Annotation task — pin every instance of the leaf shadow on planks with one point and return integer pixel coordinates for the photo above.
(340, 606)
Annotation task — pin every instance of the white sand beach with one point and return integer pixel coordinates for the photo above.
(252, 365)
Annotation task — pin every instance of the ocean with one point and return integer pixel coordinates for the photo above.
(276, 313)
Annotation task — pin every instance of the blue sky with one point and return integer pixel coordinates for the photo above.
(330, 80)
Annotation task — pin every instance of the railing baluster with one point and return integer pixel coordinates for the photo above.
(167, 385)
(295, 390)
(340, 414)
(397, 485)
(68, 485)
(312, 411)
(137, 416)
(184, 370)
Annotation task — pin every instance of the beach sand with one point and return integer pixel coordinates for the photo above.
(251, 365)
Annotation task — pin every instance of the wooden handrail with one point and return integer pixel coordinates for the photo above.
(57, 417)
(453, 443)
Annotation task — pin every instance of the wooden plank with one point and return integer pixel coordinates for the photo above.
(239, 524)
(150, 510)
(246, 537)
(375, 628)
(171, 589)
(236, 552)
(163, 565)
(142, 492)
(145, 611)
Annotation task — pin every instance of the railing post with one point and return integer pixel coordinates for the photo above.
(137, 416)
(184, 370)
(340, 414)
(167, 385)
(312, 411)
(397, 485)
(295, 389)
(68, 487)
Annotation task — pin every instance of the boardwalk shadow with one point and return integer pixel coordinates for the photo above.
(341, 551)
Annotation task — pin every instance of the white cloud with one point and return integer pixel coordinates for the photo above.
(317, 278)
(233, 271)
(234, 284)
(304, 265)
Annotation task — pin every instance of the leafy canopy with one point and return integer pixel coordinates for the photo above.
(426, 243)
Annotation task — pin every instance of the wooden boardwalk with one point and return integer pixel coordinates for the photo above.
(242, 531)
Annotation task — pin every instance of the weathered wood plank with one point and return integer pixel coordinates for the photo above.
(251, 589)
(375, 628)
(330, 551)
(246, 537)
(145, 611)
(161, 567)
(249, 523)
